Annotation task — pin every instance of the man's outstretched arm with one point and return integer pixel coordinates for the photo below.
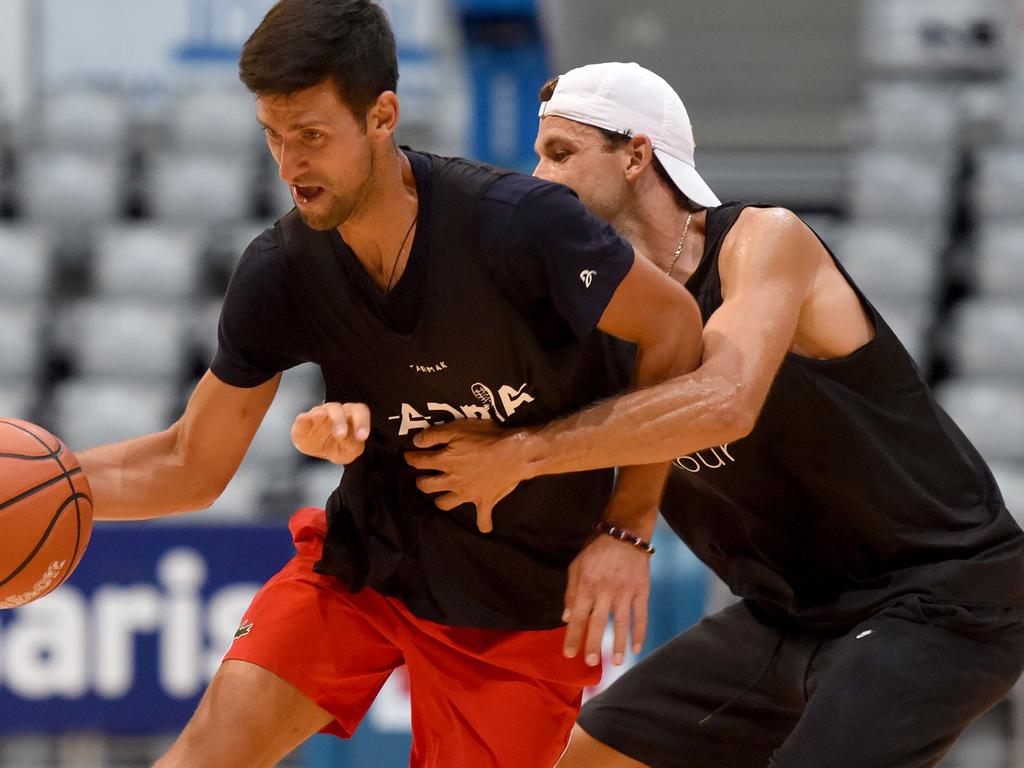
(185, 467)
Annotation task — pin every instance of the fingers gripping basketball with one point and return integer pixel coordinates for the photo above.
(45, 512)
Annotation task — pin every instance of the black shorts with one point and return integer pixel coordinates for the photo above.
(894, 692)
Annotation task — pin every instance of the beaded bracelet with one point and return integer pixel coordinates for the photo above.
(618, 533)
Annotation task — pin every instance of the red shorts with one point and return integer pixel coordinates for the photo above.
(480, 697)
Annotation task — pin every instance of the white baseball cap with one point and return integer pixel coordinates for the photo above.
(628, 99)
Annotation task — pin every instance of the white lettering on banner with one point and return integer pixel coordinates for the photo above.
(708, 457)
(182, 572)
(511, 399)
(66, 645)
(47, 655)
(119, 613)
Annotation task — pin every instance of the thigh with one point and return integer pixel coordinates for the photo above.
(492, 699)
(657, 712)
(248, 718)
(899, 689)
(307, 629)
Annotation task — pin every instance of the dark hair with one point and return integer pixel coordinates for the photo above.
(613, 140)
(300, 43)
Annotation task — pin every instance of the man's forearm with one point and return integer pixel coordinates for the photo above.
(141, 478)
(651, 425)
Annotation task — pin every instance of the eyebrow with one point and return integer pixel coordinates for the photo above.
(556, 139)
(294, 126)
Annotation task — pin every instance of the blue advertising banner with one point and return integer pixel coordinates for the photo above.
(130, 642)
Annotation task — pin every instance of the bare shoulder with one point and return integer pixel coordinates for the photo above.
(771, 224)
(772, 238)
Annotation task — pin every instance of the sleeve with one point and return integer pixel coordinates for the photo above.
(261, 332)
(552, 253)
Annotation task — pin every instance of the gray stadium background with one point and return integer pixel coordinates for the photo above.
(132, 176)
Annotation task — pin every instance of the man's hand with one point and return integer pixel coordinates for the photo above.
(608, 576)
(475, 461)
(336, 432)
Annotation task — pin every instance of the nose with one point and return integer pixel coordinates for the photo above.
(541, 170)
(290, 163)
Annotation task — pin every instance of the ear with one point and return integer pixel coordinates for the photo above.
(641, 153)
(382, 118)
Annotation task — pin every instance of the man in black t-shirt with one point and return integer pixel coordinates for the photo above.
(882, 576)
(427, 289)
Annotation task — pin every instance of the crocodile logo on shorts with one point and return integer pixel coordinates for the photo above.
(243, 629)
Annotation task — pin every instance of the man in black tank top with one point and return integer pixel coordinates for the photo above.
(881, 576)
(427, 289)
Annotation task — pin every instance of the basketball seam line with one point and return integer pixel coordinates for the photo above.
(26, 457)
(75, 496)
(53, 451)
(42, 539)
(65, 474)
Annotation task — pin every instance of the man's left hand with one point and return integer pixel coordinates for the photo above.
(607, 577)
(475, 461)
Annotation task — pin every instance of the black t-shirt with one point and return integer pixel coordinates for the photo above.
(494, 317)
(536, 239)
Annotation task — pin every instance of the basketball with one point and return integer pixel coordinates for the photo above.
(45, 512)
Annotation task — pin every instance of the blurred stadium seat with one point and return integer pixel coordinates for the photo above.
(16, 399)
(911, 116)
(990, 413)
(146, 261)
(21, 327)
(215, 121)
(999, 272)
(999, 183)
(890, 261)
(26, 263)
(986, 338)
(190, 189)
(129, 339)
(96, 411)
(69, 189)
(899, 187)
(86, 121)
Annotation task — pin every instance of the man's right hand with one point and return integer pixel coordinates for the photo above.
(336, 432)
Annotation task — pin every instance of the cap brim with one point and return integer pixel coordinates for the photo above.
(688, 180)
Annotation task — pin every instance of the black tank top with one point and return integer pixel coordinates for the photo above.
(469, 354)
(853, 490)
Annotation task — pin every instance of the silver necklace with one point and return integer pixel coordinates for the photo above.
(679, 247)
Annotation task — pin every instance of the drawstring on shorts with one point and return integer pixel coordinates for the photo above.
(771, 660)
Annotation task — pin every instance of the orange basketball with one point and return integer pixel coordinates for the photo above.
(45, 512)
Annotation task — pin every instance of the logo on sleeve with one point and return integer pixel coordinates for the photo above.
(587, 276)
(243, 629)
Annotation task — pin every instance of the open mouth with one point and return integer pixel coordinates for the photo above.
(304, 195)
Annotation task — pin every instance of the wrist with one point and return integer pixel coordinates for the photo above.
(637, 542)
(530, 459)
(637, 520)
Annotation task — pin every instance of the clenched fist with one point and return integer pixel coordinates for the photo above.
(336, 432)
